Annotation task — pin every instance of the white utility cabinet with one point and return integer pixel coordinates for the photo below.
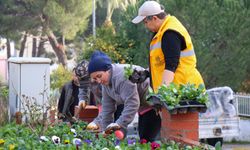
(28, 77)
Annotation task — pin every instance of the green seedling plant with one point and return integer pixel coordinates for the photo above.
(169, 95)
(13, 136)
(38, 133)
(173, 94)
(128, 71)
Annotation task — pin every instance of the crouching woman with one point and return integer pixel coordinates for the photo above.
(117, 90)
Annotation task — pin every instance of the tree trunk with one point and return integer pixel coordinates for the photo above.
(63, 40)
(108, 22)
(58, 48)
(23, 45)
(34, 47)
(41, 49)
(110, 10)
(8, 48)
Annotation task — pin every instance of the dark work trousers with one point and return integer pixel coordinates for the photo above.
(118, 112)
(149, 125)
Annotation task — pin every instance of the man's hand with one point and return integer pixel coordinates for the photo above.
(81, 106)
(92, 126)
(60, 116)
(139, 76)
(156, 103)
(112, 127)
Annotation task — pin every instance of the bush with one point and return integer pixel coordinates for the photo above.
(108, 42)
(4, 92)
(59, 77)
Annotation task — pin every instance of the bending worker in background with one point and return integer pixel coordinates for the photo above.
(79, 91)
(89, 92)
(68, 99)
(116, 90)
(171, 57)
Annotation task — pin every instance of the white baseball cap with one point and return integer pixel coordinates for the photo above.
(148, 8)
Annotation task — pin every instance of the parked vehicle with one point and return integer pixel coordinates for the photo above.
(221, 118)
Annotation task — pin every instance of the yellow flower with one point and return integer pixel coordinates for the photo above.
(1, 141)
(66, 141)
(11, 147)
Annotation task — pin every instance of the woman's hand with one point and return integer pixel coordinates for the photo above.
(92, 126)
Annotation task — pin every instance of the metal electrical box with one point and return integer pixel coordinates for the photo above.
(28, 78)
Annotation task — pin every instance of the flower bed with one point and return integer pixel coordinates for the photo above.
(64, 136)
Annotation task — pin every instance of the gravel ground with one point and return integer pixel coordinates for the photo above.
(227, 146)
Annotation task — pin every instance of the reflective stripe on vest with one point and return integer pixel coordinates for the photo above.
(156, 45)
(183, 53)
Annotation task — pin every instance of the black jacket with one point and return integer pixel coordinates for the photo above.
(68, 99)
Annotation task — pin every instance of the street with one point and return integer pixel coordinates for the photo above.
(229, 146)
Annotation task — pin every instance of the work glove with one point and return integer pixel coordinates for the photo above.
(82, 105)
(156, 103)
(67, 118)
(112, 127)
(92, 126)
(72, 119)
(60, 116)
(139, 76)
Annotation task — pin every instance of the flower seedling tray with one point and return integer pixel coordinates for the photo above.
(184, 106)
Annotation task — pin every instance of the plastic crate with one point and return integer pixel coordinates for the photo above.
(88, 114)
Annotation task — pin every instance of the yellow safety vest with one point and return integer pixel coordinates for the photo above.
(186, 71)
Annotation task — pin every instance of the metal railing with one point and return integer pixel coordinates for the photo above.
(243, 102)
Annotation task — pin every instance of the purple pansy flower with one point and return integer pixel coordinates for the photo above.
(77, 142)
(88, 141)
(117, 142)
(131, 141)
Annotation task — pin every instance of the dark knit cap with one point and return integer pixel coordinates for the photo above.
(99, 61)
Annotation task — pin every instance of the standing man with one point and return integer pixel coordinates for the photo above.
(171, 57)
